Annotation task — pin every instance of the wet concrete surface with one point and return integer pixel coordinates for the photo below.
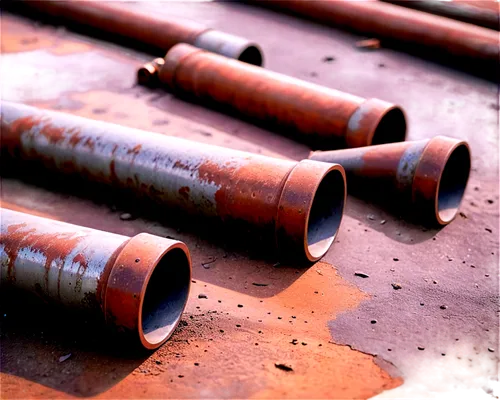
(222, 350)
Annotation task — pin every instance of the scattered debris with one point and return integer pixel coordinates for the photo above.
(373, 321)
(293, 316)
(462, 215)
(396, 259)
(196, 364)
(319, 272)
(435, 282)
(491, 349)
(368, 44)
(181, 376)
(443, 307)
(126, 217)
(371, 217)
(260, 284)
(276, 264)
(202, 296)
(328, 59)
(304, 344)
(294, 341)
(158, 362)
(361, 274)
(64, 358)
(490, 201)
(283, 367)
(488, 230)
(383, 222)
(240, 305)
(396, 286)
(238, 326)
(421, 348)
(206, 265)
(193, 281)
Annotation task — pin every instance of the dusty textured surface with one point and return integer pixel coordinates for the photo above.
(236, 348)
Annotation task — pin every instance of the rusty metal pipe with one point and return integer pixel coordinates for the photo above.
(325, 117)
(160, 32)
(140, 285)
(427, 177)
(399, 24)
(298, 206)
(482, 13)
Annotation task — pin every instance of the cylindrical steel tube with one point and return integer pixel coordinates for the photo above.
(296, 205)
(395, 23)
(484, 13)
(140, 285)
(427, 177)
(324, 117)
(151, 29)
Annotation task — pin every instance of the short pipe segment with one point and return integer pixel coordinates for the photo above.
(160, 32)
(139, 285)
(315, 114)
(298, 206)
(428, 177)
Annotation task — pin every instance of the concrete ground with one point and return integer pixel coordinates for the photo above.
(224, 351)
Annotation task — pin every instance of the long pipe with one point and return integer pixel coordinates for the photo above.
(324, 117)
(139, 285)
(477, 12)
(425, 178)
(160, 32)
(395, 23)
(298, 206)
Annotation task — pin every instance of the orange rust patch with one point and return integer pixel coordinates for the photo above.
(248, 192)
(52, 246)
(15, 207)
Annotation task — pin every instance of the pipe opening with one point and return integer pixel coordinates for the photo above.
(453, 182)
(391, 128)
(326, 213)
(251, 55)
(165, 297)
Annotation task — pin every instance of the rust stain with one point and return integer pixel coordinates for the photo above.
(135, 150)
(18, 36)
(181, 165)
(51, 246)
(184, 192)
(248, 192)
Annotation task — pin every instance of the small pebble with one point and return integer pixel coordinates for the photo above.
(371, 217)
(443, 307)
(373, 321)
(294, 341)
(126, 216)
(202, 296)
(240, 305)
(196, 364)
(64, 358)
(181, 376)
(383, 222)
(421, 348)
(396, 286)
(434, 282)
(238, 326)
(396, 259)
(304, 344)
(491, 349)
(361, 274)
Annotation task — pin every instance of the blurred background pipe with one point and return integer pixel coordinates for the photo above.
(155, 31)
(478, 12)
(139, 285)
(391, 24)
(426, 177)
(323, 117)
(296, 206)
